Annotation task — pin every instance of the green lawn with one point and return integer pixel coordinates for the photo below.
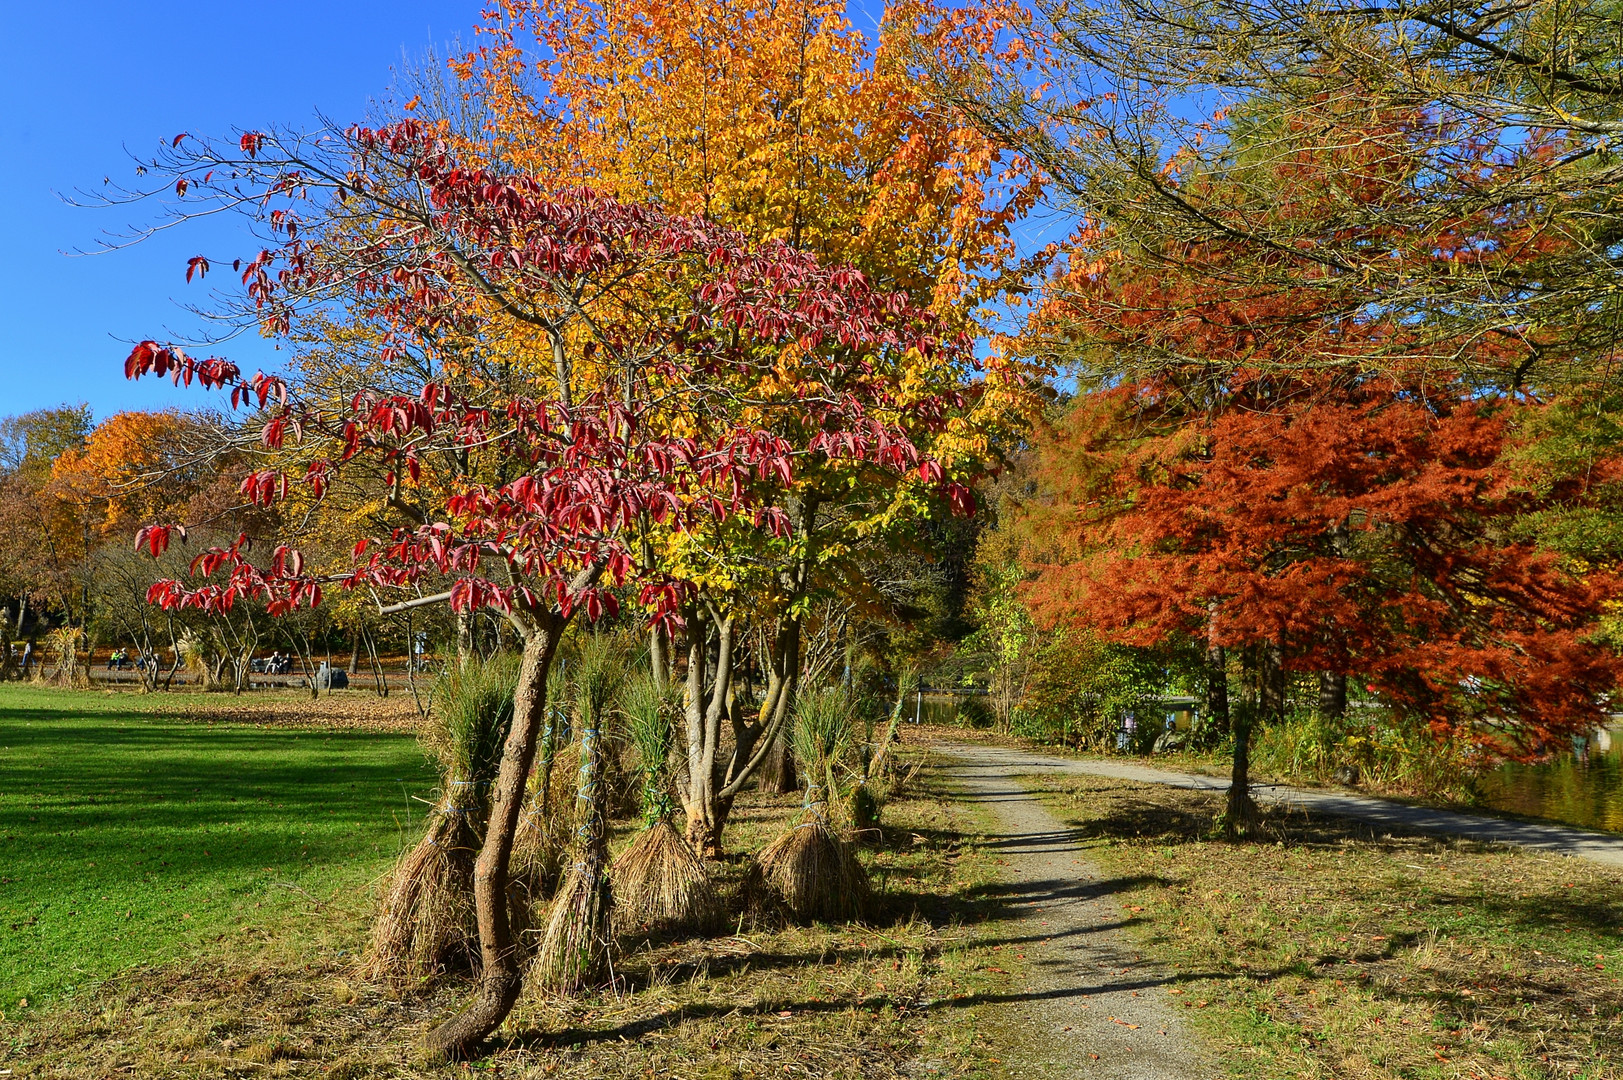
(128, 838)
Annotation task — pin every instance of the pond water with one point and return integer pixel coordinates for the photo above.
(937, 708)
(1568, 789)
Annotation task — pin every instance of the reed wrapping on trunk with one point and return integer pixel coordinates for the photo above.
(810, 873)
(575, 944)
(427, 924)
(660, 883)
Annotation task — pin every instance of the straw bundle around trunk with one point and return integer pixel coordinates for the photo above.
(575, 945)
(661, 885)
(810, 874)
(427, 925)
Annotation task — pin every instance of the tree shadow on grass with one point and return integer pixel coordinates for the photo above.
(770, 1008)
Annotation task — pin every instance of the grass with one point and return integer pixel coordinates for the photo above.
(129, 836)
(1336, 950)
(244, 989)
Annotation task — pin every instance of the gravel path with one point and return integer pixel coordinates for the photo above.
(1556, 839)
(1092, 1006)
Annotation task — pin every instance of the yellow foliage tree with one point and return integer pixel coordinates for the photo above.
(780, 120)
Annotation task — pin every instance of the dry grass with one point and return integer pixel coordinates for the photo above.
(896, 997)
(355, 710)
(1331, 949)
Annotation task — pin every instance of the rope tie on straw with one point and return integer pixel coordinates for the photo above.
(814, 806)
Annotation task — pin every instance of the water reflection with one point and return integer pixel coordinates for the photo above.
(1570, 789)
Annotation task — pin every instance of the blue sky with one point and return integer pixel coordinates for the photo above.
(81, 82)
(85, 85)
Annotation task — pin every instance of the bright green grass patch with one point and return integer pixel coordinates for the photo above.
(128, 838)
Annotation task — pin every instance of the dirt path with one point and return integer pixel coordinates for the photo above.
(1092, 1006)
(1553, 839)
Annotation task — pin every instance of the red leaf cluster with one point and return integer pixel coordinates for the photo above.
(692, 302)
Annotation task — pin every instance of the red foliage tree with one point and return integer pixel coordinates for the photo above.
(1332, 525)
(641, 316)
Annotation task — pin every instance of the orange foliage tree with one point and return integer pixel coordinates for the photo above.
(1314, 516)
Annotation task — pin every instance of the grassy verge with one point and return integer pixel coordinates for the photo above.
(239, 989)
(128, 836)
(1331, 949)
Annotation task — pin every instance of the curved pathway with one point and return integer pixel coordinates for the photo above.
(1597, 847)
(1091, 1006)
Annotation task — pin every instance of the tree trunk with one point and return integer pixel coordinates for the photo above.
(500, 977)
(778, 776)
(355, 655)
(1271, 697)
(7, 663)
(659, 657)
(1333, 694)
(783, 681)
(704, 713)
(1217, 691)
(1240, 815)
(464, 639)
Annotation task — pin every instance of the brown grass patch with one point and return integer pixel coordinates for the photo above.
(1331, 948)
(358, 710)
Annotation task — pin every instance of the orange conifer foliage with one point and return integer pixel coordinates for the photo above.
(1361, 528)
(1276, 462)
